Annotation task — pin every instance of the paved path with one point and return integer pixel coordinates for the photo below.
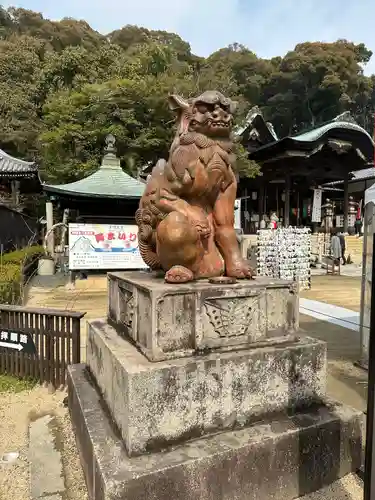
(336, 315)
(349, 270)
(46, 475)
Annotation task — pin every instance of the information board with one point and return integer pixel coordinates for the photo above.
(104, 246)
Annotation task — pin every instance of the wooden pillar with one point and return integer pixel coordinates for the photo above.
(298, 209)
(346, 202)
(261, 201)
(287, 200)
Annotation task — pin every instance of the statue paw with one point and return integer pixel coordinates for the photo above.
(240, 270)
(203, 228)
(179, 274)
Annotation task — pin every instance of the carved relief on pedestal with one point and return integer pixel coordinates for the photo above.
(231, 317)
(126, 308)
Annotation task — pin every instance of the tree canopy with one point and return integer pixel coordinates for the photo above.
(64, 87)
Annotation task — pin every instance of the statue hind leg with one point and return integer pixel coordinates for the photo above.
(179, 248)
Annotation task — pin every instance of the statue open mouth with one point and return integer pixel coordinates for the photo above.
(220, 124)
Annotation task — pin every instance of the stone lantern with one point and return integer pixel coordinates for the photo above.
(327, 215)
(352, 214)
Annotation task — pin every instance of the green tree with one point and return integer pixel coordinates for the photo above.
(58, 35)
(244, 166)
(313, 84)
(20, 67)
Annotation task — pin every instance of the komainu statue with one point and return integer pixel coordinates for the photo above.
(186, 214)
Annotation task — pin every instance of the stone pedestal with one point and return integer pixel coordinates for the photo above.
(158, 404)
(167, 321)
(203, 391)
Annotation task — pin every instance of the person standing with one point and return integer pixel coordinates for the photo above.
(343, 247)
(358, 221)
(274, 221)
(336, 252)
(358, 228)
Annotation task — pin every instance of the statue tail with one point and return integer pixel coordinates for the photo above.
(149, 255)
(146, 249)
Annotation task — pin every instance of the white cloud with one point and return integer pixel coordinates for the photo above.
(269, 28)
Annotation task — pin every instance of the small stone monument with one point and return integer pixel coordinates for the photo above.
(200, 385)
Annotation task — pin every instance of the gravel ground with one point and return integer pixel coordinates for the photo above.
(15, 411)
(348, 488)
(17, 408)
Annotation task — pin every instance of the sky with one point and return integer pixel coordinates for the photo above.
(267, 27)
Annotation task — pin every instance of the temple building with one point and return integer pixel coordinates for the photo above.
(18, 178)
(327, 157)
(108, 196)
(19, 183)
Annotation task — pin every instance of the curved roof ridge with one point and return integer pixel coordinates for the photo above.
(317, 132)
(106, 182)
(9, 165)
(18, 160)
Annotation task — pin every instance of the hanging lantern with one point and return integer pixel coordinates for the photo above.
(254, 195)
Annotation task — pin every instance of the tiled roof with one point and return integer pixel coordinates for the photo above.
(366, 173)
(315, 134)
(253, 114)
(109, 181)
(340, 131)
(10, 166)
(359, 175)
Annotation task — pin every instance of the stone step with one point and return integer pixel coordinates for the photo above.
(354, 248)
(280, 459)
(158, 404)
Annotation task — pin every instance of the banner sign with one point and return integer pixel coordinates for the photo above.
(104, 246)
(316, 215)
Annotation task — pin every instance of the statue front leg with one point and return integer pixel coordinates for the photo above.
(225, 235)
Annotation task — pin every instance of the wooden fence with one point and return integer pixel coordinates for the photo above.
(39, 343)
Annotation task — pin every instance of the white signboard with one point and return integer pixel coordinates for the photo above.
(104, 246)
(316, 215)
(237, 214)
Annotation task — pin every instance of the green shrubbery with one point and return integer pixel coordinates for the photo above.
(8, 383)
(23, 256)
(11, 272)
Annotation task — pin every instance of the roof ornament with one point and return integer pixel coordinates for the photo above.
(110, 141)
(345, 117)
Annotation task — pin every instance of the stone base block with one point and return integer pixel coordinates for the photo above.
(168, 321)
(281, 459)
(158, 404)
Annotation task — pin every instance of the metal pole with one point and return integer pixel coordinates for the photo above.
(369, 476)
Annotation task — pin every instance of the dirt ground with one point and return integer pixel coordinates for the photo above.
(342, 291)
(345, 382)
(15, 411)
